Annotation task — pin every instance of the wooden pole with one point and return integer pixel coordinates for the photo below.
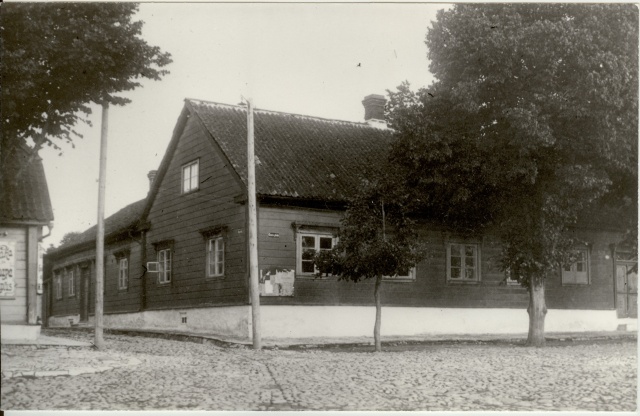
(99, 340)
(253, 231)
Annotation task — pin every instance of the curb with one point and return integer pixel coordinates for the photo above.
(205, 339)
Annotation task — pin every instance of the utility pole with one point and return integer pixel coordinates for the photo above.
(253, 231)
(99, 340)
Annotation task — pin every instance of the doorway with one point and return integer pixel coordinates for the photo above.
(85, 290)
(627, 289)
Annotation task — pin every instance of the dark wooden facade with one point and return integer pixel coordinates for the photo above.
(81, 261)
(430, 287)
(183, 221)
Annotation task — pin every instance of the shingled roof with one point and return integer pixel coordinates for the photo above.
(25, 199)
(296, 156)
(127, 218)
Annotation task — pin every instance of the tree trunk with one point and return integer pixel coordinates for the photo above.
(537, 311)
(376, 327)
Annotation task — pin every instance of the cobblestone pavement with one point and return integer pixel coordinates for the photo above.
(174, 375)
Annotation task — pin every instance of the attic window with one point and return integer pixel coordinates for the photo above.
(190, 174)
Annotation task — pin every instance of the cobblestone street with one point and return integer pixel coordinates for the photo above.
(175, 375)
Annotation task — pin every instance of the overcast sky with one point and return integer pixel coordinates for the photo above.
(312, 59)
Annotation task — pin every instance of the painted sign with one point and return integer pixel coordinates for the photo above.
(7, 269)
(277, 282)
(40, 268)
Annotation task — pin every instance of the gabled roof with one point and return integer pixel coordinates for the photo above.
(125, 219)
(27, 198)
(296, 156)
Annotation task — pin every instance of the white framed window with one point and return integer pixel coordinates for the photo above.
(190, 176)
(308, 243)
(509, 278)
(463, 262)
(123, 273)
(410, 276)
(58, 283)
(72, 283)
(577, 273)
(164, 266)
(215, 256)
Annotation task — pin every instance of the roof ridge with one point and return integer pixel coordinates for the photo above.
(241, 107)
(88, 231)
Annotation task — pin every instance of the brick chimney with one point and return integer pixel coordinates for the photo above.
(374, 110)
(152, 177)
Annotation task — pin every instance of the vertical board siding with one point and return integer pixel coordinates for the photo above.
(430, 289)
(181, 217)
(15, 310)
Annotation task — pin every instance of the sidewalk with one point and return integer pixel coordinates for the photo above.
(47, 341)
(55, 356)
(51, 356)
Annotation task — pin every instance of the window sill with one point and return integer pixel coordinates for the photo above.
(191, 191)
(576, 284)
(312, 277)
(219, 277)
(398, 280)
(463, 283)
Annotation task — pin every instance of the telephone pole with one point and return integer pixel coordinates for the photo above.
(98, 339)
(253, 230)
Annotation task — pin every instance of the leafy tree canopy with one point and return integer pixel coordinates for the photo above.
(532, 119)
(58, 58)
(377, 238)
(70, 238)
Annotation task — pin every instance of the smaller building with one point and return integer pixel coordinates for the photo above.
(71, 270)
(25, 209)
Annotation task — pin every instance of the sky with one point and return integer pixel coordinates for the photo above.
(312, 59)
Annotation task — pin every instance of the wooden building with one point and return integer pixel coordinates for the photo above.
(193, 223)
(25, 209)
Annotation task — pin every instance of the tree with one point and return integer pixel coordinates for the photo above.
(531, 122)
(377, 238)
(69, 238)
(58, 58)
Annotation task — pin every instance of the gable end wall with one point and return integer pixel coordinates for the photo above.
(181, 218)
